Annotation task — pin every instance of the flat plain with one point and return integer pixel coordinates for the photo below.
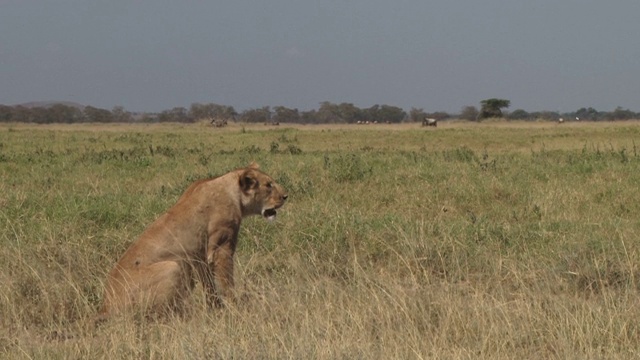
(493, 240)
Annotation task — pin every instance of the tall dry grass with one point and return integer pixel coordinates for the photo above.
(470, 241)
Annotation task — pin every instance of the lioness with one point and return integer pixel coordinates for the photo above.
(195, 239)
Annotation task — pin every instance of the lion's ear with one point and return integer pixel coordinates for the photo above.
(247, 181)
(253, 165)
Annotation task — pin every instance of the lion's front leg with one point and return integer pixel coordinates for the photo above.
(222, 268)
(208, 281)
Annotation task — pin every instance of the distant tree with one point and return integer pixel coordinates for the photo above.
(621, 114)
(519, 114)
(392, 114)
(6, 113)
(225, 112)
(546, 115)
(469, 113)
(165, 116)
(199, 111)
(92, 114)
(21, 113)
(261, 115)
(492, 107)
(60, 113)
(308, 117)
(38, 114)
(372, 114)
(148, 118)
(177, 114)
(385, 113)
(417, 115)
(349, 113)
(283, 114)
(328, 113)
(587, 114)
(119, 114)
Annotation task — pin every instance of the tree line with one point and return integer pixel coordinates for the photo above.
(327, 113)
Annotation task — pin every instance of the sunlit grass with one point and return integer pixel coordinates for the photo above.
(497, 240)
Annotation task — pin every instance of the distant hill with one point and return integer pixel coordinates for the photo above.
(48, 104)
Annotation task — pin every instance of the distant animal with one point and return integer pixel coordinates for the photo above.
(430, 122)
(194, 239)
(560, 121)
(219, 122)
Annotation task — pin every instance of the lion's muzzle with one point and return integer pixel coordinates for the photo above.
(270, 213)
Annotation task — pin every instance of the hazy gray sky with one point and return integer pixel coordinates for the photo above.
(152, 55)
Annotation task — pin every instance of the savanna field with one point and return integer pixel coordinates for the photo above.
(495, 240)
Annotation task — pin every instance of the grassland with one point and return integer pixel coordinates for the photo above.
(469, 241)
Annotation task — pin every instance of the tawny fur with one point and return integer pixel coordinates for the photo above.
(194, 240)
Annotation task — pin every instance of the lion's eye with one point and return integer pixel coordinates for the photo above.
(269, 185)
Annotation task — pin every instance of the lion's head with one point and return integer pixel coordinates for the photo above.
(261, 194)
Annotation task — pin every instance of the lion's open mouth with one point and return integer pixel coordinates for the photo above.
(269, 214)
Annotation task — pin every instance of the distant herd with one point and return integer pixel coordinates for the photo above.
(216, 122)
